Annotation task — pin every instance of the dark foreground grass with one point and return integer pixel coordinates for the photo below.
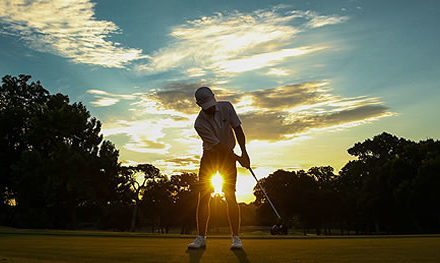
(74, 246)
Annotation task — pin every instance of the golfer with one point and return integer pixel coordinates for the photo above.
(216, 124)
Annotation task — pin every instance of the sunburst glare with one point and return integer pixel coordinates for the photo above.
(217, 183)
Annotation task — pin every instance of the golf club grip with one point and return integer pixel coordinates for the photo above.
(265, 194)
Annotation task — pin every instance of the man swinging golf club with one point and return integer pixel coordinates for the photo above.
(216, 124)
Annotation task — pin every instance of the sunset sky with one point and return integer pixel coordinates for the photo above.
(307, 78)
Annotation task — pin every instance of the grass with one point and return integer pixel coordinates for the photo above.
(92, 246)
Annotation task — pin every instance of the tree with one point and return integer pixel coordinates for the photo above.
(138, 177)
(391, 186)
(57, 171)
(19, 102)
(327, 201)
(54, 159)
(157, 203)
(291, 192)
(423, 192)
(185, 196)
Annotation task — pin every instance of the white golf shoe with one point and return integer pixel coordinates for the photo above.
(199, 242)
(236, 243)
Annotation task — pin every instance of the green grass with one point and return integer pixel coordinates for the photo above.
(91, 246)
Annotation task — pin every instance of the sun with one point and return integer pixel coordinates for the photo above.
(217, 183)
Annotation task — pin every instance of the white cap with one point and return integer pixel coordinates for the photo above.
(205, 98)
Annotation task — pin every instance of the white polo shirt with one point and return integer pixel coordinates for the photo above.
(217, 127)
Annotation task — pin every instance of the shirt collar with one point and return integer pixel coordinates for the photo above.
(217, 109)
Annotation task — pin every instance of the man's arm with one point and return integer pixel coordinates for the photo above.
(241, 139)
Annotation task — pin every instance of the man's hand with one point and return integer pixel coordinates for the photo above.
(241, 138)
(244, 160)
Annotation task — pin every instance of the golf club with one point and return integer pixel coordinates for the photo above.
(265, 194)
(280, 228)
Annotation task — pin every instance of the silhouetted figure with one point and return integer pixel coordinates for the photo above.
(216, 125)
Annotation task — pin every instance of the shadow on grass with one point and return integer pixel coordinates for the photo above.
(195, 255)
(241, 255)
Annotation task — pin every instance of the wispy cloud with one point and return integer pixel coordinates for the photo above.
(181, 163)
(221, 44)
(275, 120)
(316, 20)
(104, 102)
(271, 114)
(292, 110)
(104, 99)
(144, 136)
(262, 60)
(279, 72)
(275, 126)
(66, 28)
(231, 43)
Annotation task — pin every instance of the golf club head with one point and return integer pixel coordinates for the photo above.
(279, 229)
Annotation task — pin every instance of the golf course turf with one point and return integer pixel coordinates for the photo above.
(81, 246)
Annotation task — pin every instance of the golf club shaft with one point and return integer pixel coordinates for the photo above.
(265, 194)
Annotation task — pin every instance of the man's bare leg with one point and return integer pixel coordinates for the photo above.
(203, 207)
(233, 213)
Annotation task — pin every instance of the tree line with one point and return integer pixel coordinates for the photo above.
(57, 171)
(392, 186)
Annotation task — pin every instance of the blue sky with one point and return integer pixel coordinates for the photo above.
(308, 78)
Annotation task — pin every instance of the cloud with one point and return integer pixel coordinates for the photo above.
(221, 44)
(262, 60)
(274, 119)
(293, 110)
(182, 164)
(144, 136)
(230, 43)
(147, 146)
(66, 28)
(104, 102)
(279, 72)
(271, 114)
(178, 98)
(105, 99)
(320, 21)
(316, 20)
(184, 160)
(275, 126)
(292, 96)
(175, 96)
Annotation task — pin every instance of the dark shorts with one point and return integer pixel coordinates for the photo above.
(217, 160)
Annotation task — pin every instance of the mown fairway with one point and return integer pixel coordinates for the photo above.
(71, 246)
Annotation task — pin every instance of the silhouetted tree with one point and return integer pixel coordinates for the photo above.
(185, 195)
(381, 187)
(138, 176)
(326, 200)
(57, 171)
(19, 102)
(291, 192)
(54, 160)
(157, 203)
